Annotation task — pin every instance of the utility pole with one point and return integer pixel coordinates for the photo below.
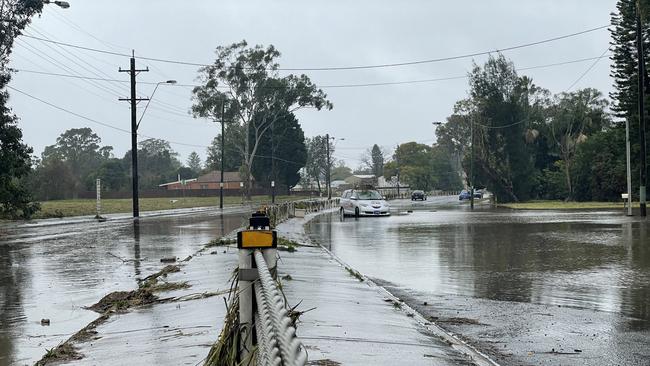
(223, 151)
(471, 164)
(327, 173)
(273, 163)
(133, 72)
(642, 160)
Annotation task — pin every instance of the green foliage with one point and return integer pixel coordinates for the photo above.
(572, 117)
(257, 96)
(341, 171)
(285, 147)
(600, 167)
(414, 163)
(233, 156)
(157, 163)
(624, 70)
(377, 157)
(316, 166)
(194, 163)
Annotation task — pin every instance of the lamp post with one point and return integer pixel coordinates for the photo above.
(329, 164)
(62, 4)
(223, 151)
(435, 129)
(169, 82)
(134, 137)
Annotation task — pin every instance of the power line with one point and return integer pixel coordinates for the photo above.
(127, 131)
(587, 71)
(328, 86)
(336, 68)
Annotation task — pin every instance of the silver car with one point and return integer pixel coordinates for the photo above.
(362, 202)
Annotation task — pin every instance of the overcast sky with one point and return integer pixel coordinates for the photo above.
(308, 34)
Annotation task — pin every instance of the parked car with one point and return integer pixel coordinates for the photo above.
(478, 193)
(464, 195)
(418, 195)
(363, 202)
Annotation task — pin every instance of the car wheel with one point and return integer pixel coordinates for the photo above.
(356, 212)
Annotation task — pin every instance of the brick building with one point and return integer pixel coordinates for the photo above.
(210, 180)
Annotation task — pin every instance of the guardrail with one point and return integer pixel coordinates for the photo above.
(283, 211)
(277, 343)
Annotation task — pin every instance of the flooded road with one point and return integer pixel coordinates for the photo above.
(593, 266)
(50, 270)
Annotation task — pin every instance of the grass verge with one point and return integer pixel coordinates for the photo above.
(561, 205)
(83, 207)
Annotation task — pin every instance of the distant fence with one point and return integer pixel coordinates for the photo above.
(177, 193)
(406, 194)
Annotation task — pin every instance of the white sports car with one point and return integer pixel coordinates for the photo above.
(357, 202)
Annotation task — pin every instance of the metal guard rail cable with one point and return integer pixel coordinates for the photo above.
(276, 337)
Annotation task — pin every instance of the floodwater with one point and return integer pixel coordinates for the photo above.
(595, 263)
(51, 270)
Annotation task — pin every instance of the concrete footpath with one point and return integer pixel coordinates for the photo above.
(353, 321)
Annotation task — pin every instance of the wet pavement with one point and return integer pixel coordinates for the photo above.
(351, 322)
(527, 287)
(52, 268)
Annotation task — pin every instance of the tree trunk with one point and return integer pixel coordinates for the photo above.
(567, 172)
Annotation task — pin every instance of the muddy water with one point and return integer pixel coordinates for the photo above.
(598, 261)
(52, 271)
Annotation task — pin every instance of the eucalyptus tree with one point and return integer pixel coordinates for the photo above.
(243, 86)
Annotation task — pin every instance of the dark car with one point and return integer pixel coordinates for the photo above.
(464, 195)
(418, 195)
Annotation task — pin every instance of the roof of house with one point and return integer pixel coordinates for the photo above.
(215, 176)
(182, 181)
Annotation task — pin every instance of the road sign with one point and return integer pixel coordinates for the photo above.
(253, 239)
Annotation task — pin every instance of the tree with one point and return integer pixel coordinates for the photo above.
(114, 174)
(372, 161)
(157, 163)
(414, 163)
(377, 161)
(233, 158)
(15, 161)
(316, 166)
(194, 162)
(444, 176)
(285, 147)
(625, 70)
(600, 168)
(572, 118)
(80, 149)
(341, 171)
(254, 93)
(505, 111)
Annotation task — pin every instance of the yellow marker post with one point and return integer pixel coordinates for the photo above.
(257, 239)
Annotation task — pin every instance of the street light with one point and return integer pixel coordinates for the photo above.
(168, 82)
(329, 166)
(435, 128)
(62, 4)
(134, 135)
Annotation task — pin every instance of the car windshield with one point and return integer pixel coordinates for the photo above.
(369, 195)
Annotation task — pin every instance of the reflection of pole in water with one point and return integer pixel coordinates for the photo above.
(330, 225)
(223, 225)
(136, 247)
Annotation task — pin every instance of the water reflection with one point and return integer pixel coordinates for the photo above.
(52, 271)
(591, 260)
(136, 248)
